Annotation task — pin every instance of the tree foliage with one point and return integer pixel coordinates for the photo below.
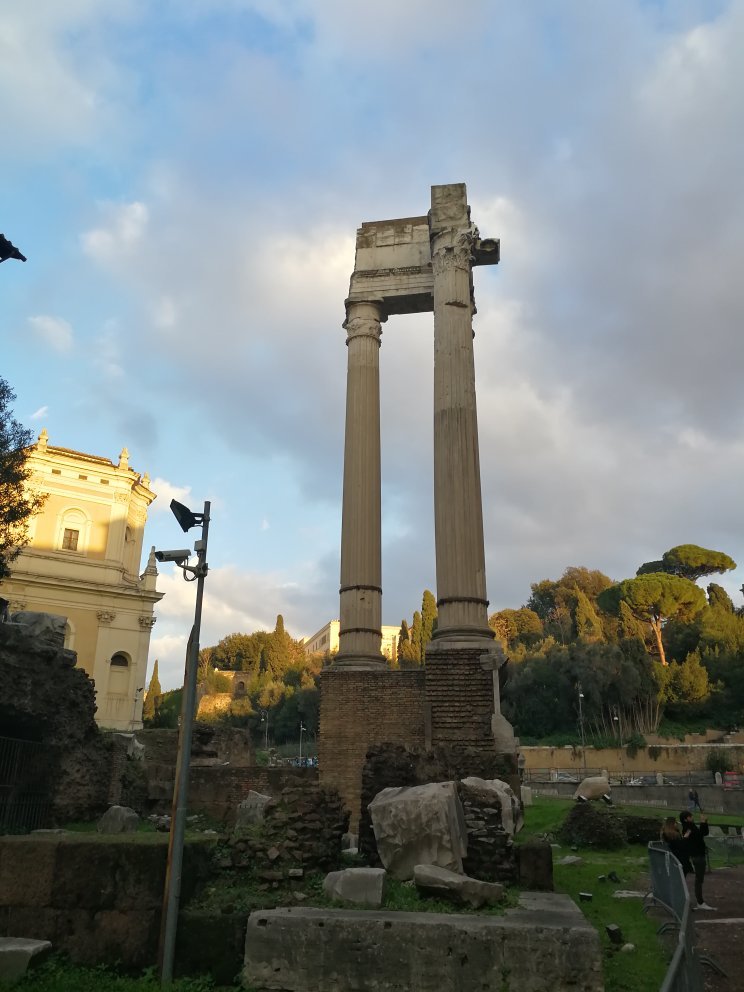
(18, 503)
(152, 699)
(654, 598)
(689, 561)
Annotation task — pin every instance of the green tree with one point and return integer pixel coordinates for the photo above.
(521, 625)
(152, 699)
(689, 561)
(654, 599)
(428, 620)
(719, 598)
(587, 624)
(416, 637)
(18, 504)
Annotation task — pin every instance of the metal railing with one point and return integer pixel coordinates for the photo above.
(669, 892)
(26, 778)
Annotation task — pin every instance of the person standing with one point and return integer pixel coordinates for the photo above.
(694, 840)
(693, 801)
(671, 836)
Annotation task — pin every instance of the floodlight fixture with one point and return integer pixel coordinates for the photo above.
(9, 250)
(186, 518)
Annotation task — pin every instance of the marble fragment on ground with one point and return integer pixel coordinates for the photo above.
(419, 825)
(459, 889)
(362, 886)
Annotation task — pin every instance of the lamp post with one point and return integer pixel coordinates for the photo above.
(581, 726)
(172, 895)
(134, 708)
(302, 729)
(265, 720)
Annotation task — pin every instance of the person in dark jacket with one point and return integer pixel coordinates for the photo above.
(693, 837)
(671, 836)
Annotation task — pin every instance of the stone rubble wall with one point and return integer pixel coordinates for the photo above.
(303, 828)
(491, 856)
(96, 899)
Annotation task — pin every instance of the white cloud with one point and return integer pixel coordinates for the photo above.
(38, 414)
(53, 331)
(166, 491)
(123, 230)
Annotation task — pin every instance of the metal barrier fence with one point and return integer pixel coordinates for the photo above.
(26, 778)
(669, 891)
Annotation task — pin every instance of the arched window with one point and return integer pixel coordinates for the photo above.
(118, 680)
(73, 530)
(120, 659)
(240, 688)
(69, 635)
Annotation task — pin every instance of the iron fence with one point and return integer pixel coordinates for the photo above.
(669, 892)
(26, 785)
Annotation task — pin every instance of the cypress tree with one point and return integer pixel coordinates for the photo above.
(152, 699)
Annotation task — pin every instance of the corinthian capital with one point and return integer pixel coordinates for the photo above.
(453, 249)
(363, 320)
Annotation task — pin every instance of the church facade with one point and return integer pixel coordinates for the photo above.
(83, 562)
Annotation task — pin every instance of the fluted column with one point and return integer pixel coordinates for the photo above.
(360, 633)
(458, 511)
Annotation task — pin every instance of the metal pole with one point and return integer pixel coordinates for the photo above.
(266, 732)
(581, 724)
(172, 897)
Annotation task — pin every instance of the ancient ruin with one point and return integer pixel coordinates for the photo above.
(415, 265)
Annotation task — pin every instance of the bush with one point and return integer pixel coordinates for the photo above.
(719, 761)
(590, 826)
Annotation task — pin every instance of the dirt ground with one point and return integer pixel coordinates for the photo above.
(721, 934)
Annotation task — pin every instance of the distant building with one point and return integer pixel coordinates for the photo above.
(83, 562)
(326, 640)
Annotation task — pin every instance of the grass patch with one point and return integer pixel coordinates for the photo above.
(643, 969)
(58, 975)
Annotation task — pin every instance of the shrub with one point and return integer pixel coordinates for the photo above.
(719, 761)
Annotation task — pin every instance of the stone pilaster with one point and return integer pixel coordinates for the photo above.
(360, 635)
(458, 512)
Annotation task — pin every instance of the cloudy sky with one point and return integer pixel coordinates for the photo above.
(186, 179)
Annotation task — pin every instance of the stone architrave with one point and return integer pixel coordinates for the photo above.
(512, 818)
(419, 825)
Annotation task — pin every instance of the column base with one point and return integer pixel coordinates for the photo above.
(360, 662)
(465, 636)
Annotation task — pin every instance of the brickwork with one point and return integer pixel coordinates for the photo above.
(360, 709)
(460, 694)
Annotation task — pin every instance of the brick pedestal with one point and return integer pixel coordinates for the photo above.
(361, 709)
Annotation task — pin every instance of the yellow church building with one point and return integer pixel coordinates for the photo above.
(82, 562)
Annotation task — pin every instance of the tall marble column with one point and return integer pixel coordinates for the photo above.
(360, 633)
(458, 512)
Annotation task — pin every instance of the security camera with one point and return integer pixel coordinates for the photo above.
(179, 557)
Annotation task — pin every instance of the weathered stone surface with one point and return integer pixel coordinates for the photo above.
(251, 810)
(544, 946)
(459, 889)
(363, 886)
(17, 954)
(97, 899)
(526, 795)
(535, 865)
(593, 787)
(511, 810)
(45, 628)
(593, 826)
(118, 820)
(419, 825)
